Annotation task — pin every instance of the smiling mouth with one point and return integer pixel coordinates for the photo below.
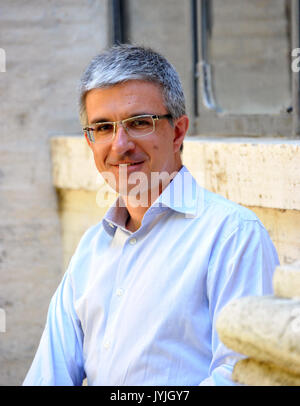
(126, 164)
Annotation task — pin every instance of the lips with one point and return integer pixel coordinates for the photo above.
(127, 164)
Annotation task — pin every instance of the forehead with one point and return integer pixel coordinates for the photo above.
(124, 100)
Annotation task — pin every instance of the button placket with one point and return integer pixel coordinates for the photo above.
(120, 292)
(119, 289)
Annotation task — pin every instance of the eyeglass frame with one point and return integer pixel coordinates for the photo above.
(155, 117)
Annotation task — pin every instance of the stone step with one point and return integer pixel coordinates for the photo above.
(266, 328)
(256, 373)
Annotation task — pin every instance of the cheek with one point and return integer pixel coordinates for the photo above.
(162, 149)
(99, 158)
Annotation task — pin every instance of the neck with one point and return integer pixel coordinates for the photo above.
(135, 217)
(137, 212)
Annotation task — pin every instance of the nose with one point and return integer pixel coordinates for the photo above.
(121, 142)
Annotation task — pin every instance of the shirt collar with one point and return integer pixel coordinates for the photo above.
(181, 195)
(116, 216)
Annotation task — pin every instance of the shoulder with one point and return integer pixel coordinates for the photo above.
(235, 227)
(207, 204)
(222, 217)
(89, 238)
(212, 204)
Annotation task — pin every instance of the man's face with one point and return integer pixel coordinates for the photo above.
(156, 152)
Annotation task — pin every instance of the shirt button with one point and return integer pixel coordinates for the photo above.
(107, 344)
(132, 241)
(120, 292)
(111, 225)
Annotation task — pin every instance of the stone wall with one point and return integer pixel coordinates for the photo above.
(47, 45)
(259, 174)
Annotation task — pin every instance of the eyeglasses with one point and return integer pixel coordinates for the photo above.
(136, 127)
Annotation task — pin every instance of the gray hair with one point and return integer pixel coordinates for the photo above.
(125, 62)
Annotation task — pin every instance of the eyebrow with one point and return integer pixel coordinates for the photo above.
(105, 120)
(100, 120)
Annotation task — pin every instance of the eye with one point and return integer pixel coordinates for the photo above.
(140, 122)
(101, 128)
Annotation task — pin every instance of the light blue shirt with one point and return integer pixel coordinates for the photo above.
(140, 308)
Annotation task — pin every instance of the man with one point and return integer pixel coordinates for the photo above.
(139, 301)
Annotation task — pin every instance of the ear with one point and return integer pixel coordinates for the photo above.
(181, 126)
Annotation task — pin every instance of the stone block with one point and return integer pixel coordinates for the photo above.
(266, 328)
(73, 165)
(251, 372)
(229, 167)
(286, 280)
(234, 169)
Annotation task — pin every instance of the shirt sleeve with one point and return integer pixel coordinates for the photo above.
(242, 266)
(59, 360)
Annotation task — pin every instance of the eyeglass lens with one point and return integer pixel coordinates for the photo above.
(135, 127)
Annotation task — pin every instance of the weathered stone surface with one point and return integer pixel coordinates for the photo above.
(73, 165)
(233, 170)
(73, 168)
(79, 210)
(47, 47)
(256, 373)
(227, 167)
(286, 280)
(265, 328)
(283, 227)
